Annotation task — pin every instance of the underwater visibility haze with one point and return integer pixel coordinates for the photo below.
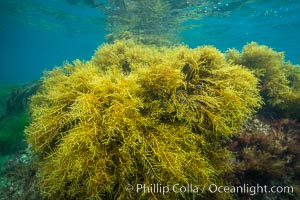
(37, 35)
(150, 99)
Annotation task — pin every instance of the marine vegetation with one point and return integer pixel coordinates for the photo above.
(5, 91)
(12, 138)
(279, 80)
(267, 153)
(14, 117)
(138, 114)
(17, 101)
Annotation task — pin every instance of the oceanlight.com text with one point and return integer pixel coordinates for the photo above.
(212, 188)
(252, 190)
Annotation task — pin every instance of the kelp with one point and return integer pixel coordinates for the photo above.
(138, 114)
(18, 99)
(279, 80)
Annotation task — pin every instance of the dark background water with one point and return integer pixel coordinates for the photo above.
(36, 35)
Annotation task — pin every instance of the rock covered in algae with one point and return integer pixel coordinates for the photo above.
(138, 114)
(267, 153)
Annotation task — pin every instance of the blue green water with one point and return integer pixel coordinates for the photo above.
(37, 35)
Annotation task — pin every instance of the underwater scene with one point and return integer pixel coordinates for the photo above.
(150, 99)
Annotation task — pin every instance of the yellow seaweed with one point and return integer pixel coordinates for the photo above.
(138, 114)
(279, 80)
